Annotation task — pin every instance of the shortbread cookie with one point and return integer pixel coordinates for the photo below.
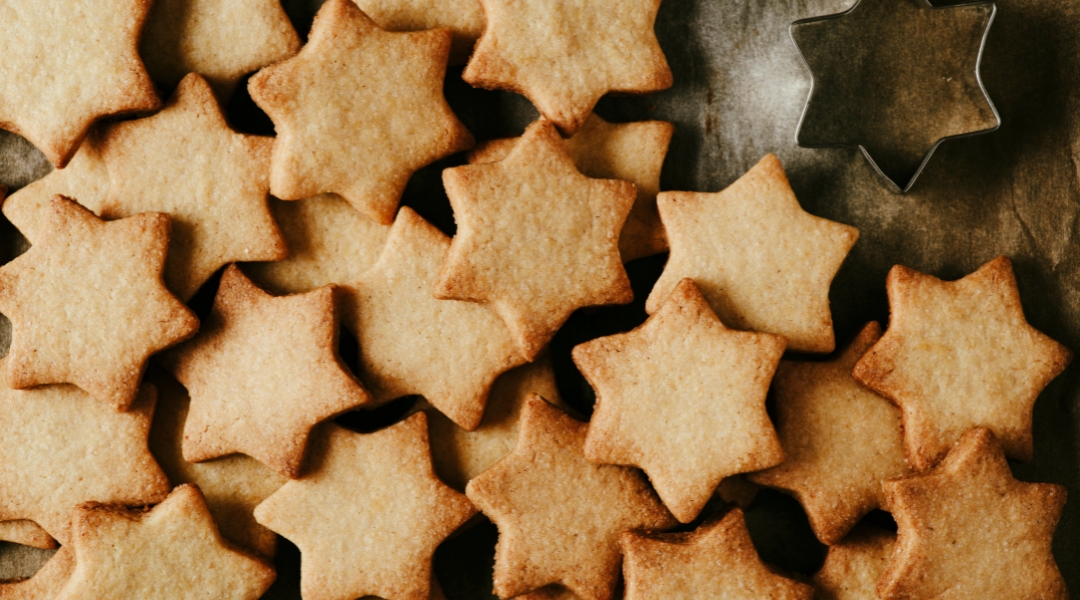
(26, 533)
(464, 18)
(959, 354)
(717, 560)
(682, 397)
(212, 181)
(172, 551)
(632, 152)
(62, 449)
(967, 529)
(261, 373)
(46, 583)
(840, 440)
(232, 485)
(222, 40)
(565, 55)
(329, 242)
(368, 515)
(358, 111)
(763, 263)
(559, 515)
(853, 566)
(67, 66)
(448, 351)
(536, 239)
(87, 303)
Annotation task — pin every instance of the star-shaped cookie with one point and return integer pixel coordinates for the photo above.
(763, 263)
(46, 582)
(261, 373)
(358, 111)
(536, 239)
(632, 152)
(464, 18)
(410, 343)
(62, 449)
(957, 355)
(682, 397)
(717, 560)
(173, 551)
(212, 181)
(66, 67)
(559, 515)
(222, 40)
(26, 533)
(565, 56)
(87, 303)
(840, 440)
(368, 516)
(854, 565)
(967, 529)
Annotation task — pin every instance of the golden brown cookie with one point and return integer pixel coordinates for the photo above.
(261, 373)
(448, 351)
(559, 515)
(763, 263)
(967, 529)
(565, 55)
(358, 111)
(840, 440)
(464, 18)
(46, 583)
(171, 551)
(682, 397)
(632, 152)
(27, 533)
(212, 181)
(717, 560)
(66, 66)
(222, 40)
(368, 515)
(232, 485)
(328, 240)
(62, 449)
(87, 303)
(536, 239)
(959, 354)
(854, 565)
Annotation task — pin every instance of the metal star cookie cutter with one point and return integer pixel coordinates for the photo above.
(895, 78)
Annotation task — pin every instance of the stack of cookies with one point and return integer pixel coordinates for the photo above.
(200, 312)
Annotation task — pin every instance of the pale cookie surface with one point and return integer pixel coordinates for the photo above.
(328, 241)
(173, 551)
(212, 181)
(559, 515)
(840, 440)
(959, 354)
(87, 304)
(358, 111)
(222, 40)
(536, 239)
(368, 516)
(717, 560)
(68, 64)
(853, 566)
(391, 311)
(565, 55)
(61, 449)
(968, 530)
(232, 485)
(26, 533)
(261, 373)
(46, 583)
(763, 263)
(632, 152)
(682, 397)
(464, 18)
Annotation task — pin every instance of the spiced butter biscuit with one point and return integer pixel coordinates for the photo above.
(358, 111)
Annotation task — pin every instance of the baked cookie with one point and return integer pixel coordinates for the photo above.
(854, 565)
(26, 533)
(46, 582)
(337, 130)
(682, 397)
(565, 55)
(959, 354)
(536, 239)
(464, 18)
(763, 263)
(559, 515)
